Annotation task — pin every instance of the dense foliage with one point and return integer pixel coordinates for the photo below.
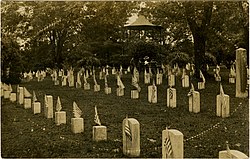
(64, 34)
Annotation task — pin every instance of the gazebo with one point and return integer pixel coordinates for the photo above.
(142, 25)
(144, 30)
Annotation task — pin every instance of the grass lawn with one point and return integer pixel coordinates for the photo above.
(26, 135)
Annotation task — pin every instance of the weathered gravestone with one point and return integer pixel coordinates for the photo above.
(27, 99)
(172, 144)
(241, 73)
(36, 106)
(131, 137)
(171, 80)
(184, 79)
(171, 97)
(222, 104)
(99, 131)
(120, 89)
(60, 116)
(77, 123)
(152, 93)
(48, 106)
(194, 100)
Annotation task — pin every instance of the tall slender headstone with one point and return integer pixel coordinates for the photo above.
(152, 93)
(48, 106)
(194, 100)
(131, 137)
(222, 104)
(20, 95)
(241, 73)
(171, 97)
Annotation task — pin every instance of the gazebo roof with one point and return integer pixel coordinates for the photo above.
(141, 23)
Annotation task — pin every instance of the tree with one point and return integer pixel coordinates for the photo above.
(198, 17)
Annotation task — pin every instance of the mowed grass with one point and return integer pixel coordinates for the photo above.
(26, 135)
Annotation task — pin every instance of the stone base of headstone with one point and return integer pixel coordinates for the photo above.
(131, 148)
(113, 72)
(171, 80)
(176, 139)
(134, 94)
(120, 91)
(125, 72)
(36, 108)
(99, 133)
(48, 110)
(152, 98)
(194, 102)
(60, 117)
(217, 78)
(97, 88)
(107, 90)
(171, 102)
(78, 85)
(185, 81)
(86, 86)
(27, 103)
(147, 79)
(201, 85)
(6, 94)
(231, 80)
(56, 82)
(234, 154)
(13, 97)
(222, 110)
(77, 125)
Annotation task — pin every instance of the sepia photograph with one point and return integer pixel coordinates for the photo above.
(125, 79)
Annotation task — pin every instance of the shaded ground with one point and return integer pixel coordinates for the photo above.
(28, 135)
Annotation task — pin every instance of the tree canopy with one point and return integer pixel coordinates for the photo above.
(63, 34)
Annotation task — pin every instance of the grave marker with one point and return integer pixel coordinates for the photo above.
(241, 73)
(171, 97)
(171, 80)
(184, 79)
(172, 144)
(27, 99)
(201, 84)
(146, 77)
(222, 104)
(232, 74)
(120, 89)
(13, 97)
(77, 123)
(107, 89)
(48, 106)
(152, 93)
(100, 131)
(60, 116)
(131, 137)
(231, 154)
(194, 100)
(217, 73)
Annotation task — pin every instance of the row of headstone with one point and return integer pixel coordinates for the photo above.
(172, 140)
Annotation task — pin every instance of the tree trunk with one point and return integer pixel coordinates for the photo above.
(199, 52)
